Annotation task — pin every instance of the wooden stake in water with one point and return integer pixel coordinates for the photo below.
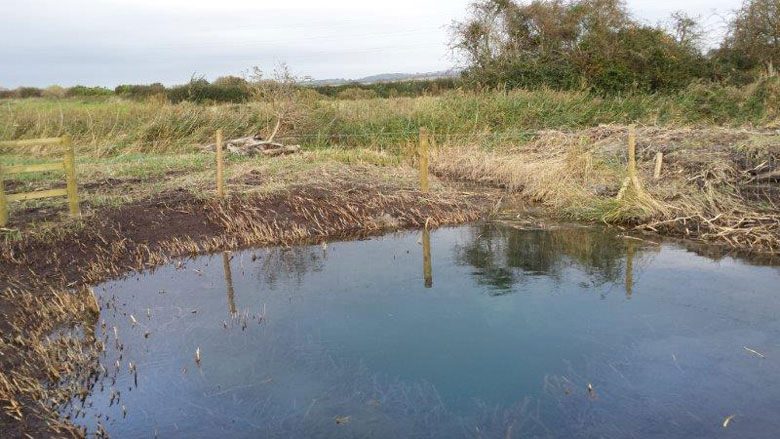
(69, 163)
(220, 170)
(424, 146)
(427, 270)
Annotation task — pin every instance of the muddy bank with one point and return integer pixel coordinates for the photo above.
(41, 272)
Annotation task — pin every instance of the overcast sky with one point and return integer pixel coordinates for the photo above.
(109, 42)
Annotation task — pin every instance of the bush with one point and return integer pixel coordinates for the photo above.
(28, 92)
(753, 40)
(140, 92)
(712, 101)
(200, 91)
(764, 101)
(83, 91)
(54, 92)
(571, 44)
(411, 88)
(354, 94)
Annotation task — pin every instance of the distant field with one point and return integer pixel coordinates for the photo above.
(565, 150)
(110, 126)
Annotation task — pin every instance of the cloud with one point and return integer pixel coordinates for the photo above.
(107, 42)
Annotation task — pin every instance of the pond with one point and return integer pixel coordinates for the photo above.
(483, 330)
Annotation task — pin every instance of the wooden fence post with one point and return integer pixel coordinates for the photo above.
(424, 145)
(220, 170)
(3, 202)
(632, 180)
(659, 162)
(69, 163)
(631, 152)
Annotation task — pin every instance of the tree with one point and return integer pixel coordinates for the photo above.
(282, 94)
(686, 30)
(754, 34)
(570, 44)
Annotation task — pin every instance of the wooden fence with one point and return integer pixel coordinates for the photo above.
(67, 165)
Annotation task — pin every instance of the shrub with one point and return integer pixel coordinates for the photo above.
(411, 88)
(567, 44)
(54, 92)
(83, 91)
(354, 93)
(201, 91)
(712, 101)
(764, 101)
(28, 92)
(140, 92)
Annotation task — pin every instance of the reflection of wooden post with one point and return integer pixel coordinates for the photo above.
(3, 202)
(629, 270)
(229, 282)
(69, 163)
(427, 271)
(220, 171)
(424, 159)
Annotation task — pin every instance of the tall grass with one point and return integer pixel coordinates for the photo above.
(113, 126)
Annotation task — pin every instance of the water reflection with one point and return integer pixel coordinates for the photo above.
(282, 264)
(427, 270)
(504, 257)
(361, 339)
(229, 281)
(630, 250)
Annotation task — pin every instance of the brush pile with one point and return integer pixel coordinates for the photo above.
(255, 145)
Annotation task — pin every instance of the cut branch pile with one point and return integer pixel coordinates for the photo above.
(254, 145)
(740, 229)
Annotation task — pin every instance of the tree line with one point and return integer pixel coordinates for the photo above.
(235, 89)
(597, 45)
(585, 45)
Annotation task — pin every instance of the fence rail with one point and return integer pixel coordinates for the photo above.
(67, 166)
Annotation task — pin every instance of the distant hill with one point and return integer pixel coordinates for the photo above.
(385, 77)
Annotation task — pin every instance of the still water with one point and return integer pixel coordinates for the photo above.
(489, 331)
